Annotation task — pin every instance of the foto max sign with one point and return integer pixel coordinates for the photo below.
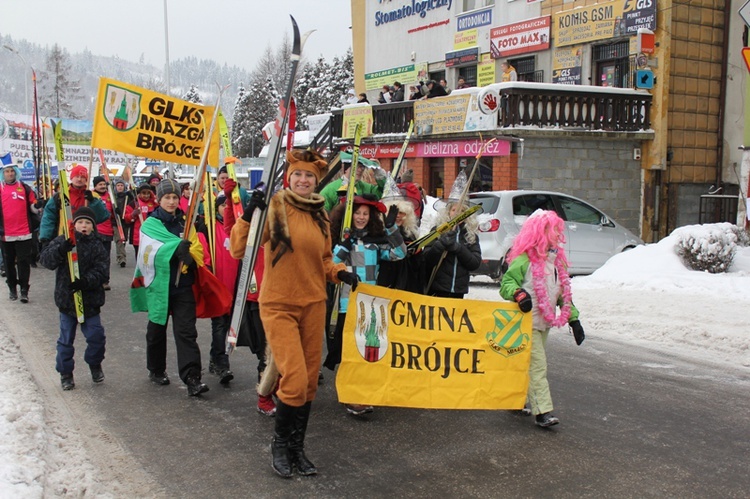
(520, 38)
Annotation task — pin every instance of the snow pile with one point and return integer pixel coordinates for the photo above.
(710, 247)
(41, 454)
(647, 295)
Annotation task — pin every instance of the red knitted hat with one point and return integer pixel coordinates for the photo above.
(79, 170)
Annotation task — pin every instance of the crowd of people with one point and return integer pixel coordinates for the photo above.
(308, 264)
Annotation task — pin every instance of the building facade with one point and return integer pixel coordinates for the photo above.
(676, 52)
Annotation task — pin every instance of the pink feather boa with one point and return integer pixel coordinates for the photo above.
(546, 307)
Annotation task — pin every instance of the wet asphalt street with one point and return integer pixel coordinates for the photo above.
(634, 423)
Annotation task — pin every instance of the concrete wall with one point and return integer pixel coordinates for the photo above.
(601, 172)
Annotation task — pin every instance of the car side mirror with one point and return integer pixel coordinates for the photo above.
(606, 222)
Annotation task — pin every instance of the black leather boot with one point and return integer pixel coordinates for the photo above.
(285, 416)
(297, 445)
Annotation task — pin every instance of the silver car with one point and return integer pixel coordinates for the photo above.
(591, 236)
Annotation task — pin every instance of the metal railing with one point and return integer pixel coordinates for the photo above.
(540, 105)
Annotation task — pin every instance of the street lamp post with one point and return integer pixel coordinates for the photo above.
(25, 80)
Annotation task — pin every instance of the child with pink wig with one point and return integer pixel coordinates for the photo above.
(537, 279)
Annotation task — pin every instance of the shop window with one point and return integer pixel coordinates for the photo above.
(525, 68)
(437, 177)
(469, 74)
(613, 65)
(467, 5)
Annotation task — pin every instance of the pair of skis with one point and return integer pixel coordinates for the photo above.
(270, 174)
(346, 226)
(112, 196)
(66, 220)
(419, 244)
(198, 181)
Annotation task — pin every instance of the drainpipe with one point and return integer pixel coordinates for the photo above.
(722, 95)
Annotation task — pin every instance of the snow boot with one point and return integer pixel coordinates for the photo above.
(546, 420)
(66, 380)
(280, 459)
(97, 375)
(13, 295)
(297, 443)
(158, 378)
(195, 386)
(25, 295)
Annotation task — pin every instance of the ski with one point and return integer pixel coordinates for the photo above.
(66, 219)
(198, 182)
(112, 196)
(347, 223)
(270, 173)
(280, 182)
(419, 244)
(209, 214)
(229, 160)
(400, 159)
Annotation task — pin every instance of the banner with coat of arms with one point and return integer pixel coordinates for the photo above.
(138, 121)
(408, 350)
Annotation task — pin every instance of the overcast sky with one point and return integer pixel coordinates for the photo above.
(233, 31)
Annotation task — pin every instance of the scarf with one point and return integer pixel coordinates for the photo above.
(279, 225)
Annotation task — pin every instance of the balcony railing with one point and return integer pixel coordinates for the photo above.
(542, 105)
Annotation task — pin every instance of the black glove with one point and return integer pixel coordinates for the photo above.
(89, 196)
(76, 285)
(349, 278)
(40, 203)
(390, 219)
(257, 200)
(65, 246)
(347, 242)
(183, 252)
(449, 241)
(577, 331)
(523, 299)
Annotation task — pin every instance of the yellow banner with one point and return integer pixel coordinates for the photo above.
(486, 70)
(357, 115)
(406, 75)
(138, 121)
(465, 39)
(408, 350)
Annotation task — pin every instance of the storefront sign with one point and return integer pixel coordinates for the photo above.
(474, 20)
(357, 115)
(436, 149)
(602, 21)
(566, 65)
(486, 71)
(519, 38)
(142, 122)
(418, 8)
(462, 58)
(455, 113)
(465, 39)
(404, 74)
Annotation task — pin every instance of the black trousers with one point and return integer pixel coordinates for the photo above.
(182, 309)
(17, 256)
(107, 242)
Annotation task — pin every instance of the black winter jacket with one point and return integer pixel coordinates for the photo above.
(453, 274)
(93, 264)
